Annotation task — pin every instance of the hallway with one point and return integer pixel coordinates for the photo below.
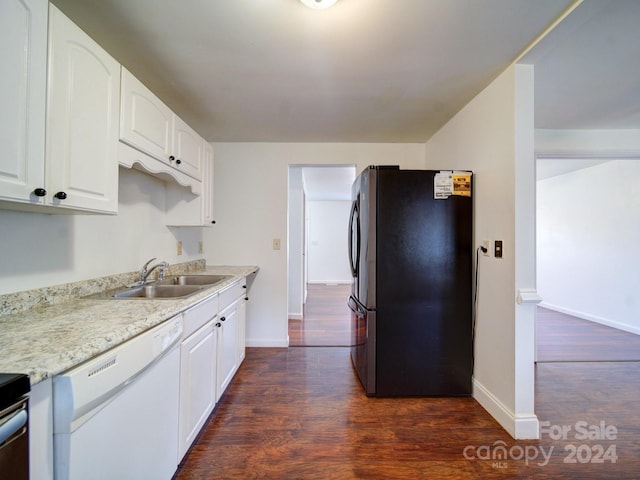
(326, 319)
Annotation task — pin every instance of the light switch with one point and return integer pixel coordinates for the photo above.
(276, 244)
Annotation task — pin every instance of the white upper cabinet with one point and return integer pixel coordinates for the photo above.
(148, 125)
(188, 148)
(83, 112)
(185, 209)
(23, 76)
(146, 122)
(60, 108)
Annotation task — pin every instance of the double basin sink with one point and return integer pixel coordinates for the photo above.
(171, 287)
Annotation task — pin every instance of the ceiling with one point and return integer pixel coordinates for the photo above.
(328, 183)
(277, 71)
(369, 71)
(587, 70)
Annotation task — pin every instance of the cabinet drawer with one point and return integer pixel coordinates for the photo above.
(232, 292)
(198, 315)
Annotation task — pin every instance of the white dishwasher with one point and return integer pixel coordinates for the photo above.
(116, 416)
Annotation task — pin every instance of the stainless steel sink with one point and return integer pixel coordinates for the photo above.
(158, 291)
(177, 286)
(195, 279)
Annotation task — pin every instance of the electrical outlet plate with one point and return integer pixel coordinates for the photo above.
(179, 247)
(276, 244)
(487, 246)
(200, 247)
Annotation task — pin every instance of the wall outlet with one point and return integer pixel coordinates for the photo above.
(486, 244)
(276, 244)
(179, 247)
(200, 247)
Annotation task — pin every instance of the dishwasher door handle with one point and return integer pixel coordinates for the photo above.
(12, 424)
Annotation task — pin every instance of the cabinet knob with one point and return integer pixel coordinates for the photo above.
(178, 161)
(39, 192)
(218, 324)
(244, 286)
(213, 221)
(60, 195)
(246, 298)
(222, 319)
(171, 158)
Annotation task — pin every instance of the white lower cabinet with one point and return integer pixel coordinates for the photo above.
(197, 384)
(227, 346)
(198, 355)
(210, 354)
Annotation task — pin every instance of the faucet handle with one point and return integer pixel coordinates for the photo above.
(162, 266)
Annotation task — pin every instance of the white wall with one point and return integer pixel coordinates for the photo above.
(588, 231)
(295, 245)
(493, 136)
(328, 241)
(251, 210)
(40, 250)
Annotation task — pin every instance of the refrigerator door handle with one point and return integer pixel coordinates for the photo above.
(353, 263)
(356, 307)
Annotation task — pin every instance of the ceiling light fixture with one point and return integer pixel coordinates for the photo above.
(318, 3)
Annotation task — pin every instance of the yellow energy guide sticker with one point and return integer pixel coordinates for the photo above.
(461, 184)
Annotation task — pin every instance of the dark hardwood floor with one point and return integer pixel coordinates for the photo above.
(300, 413)
(326, 318)
(564, 338)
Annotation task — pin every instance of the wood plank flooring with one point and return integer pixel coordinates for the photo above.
(326, 319)
(300, 413)
(564, 338)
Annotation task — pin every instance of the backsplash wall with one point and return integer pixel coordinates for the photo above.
(39, 250)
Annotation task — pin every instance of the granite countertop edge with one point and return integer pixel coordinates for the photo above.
(51, 339)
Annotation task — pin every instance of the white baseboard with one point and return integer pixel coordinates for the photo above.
(268, 342)
(592, 318)
(295, 316)
(330, 282)
(520, 427)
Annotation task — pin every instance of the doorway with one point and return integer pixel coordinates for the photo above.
(586, 262)
(318, 272)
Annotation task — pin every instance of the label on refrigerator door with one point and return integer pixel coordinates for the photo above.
(461, 183)
(443, 185)
(447, 183)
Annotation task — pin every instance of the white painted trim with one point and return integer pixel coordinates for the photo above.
(268, 342)
(528, 295)
(330, 282)
(592, 318)
(518, 426)
(296, 316)
(590, 154)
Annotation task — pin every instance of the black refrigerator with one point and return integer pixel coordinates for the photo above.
(411, 254)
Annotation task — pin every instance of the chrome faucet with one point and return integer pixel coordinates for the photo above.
(145, 271)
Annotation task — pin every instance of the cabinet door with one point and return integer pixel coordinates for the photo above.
(242, 330)
(227, 346)
(82, 120)
(23, 75)
(187, 209)
(207, 184)
(188, 149)
(197, 384)
(146, 122)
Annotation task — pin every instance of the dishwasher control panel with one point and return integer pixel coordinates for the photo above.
(167, 334)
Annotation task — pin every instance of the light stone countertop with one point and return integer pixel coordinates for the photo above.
(46, 340)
